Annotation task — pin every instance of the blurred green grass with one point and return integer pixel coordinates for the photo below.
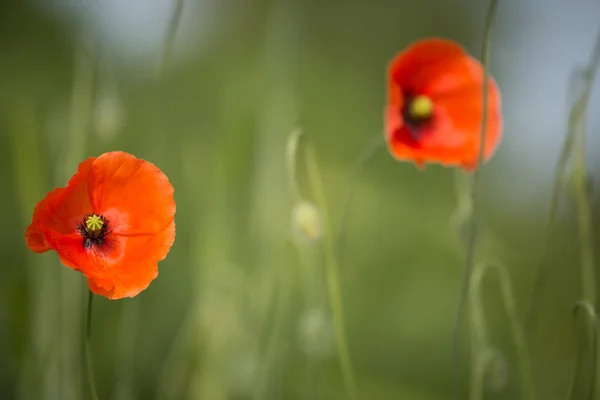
(216, 125)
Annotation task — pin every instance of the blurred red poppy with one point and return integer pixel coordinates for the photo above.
(434, 107)
(113, 222)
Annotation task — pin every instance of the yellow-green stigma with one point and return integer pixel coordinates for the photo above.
(94, 225)
(420, 108)
(93, 229)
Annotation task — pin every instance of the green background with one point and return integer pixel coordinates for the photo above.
(223, 319)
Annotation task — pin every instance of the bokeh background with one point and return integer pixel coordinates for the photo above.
(240, 309)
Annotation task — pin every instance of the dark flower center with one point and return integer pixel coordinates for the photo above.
(417, 111)
(94, 229)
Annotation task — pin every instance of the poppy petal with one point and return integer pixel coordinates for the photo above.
(130, 266)
(442, 71)
(33, 236)
(61, 210)
(418, 67)
(123, 267)
(133, 194)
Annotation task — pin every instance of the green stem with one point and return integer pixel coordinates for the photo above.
(584, 215)
(171, 34)
(472, 237)
(333, 278)
(359, 164)
(574, 137)
(586, 307)
(68, 286)
(579, 181)
(88, 350)
(479, 326)
(291, 152)
(282, 299)
(539, 280)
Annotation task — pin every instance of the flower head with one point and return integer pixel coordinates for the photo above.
(113, 222)
(435, 105)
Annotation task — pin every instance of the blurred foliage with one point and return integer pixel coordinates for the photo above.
(237, 296)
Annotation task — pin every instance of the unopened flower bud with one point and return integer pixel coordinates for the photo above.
(496, 374)
(306, 221)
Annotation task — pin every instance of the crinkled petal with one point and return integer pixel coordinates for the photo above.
(131, 263)
(61, 210)
(444, 72)
(424, 65)
(133, 194)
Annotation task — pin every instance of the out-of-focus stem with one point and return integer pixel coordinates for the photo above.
(69, 285)
(171, 35)
(579, 183)
(479, 338)
(588, 311)
(333, 278)
(359, 164)
(472, 235)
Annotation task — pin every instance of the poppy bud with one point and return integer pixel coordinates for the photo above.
(306, 221)
(496, 375)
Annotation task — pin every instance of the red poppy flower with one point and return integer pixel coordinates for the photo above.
(435, 106)
(113, 222)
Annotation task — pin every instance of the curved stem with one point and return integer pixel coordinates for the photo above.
(333, 278)
(591, 317)
(291, 152)
(579, 180)
(471, 240)
(171, 34)
(480, 328)
(88, 351)
(282, 300)
(481, 362)
(359, 164)
(573, 148)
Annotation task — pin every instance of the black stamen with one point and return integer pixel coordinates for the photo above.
(412, 122)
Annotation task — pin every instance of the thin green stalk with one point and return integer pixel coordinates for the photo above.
(171, 35)
(479, 328)
(584, 214)
(88, 350)
(282, 300)
(482, 360)
(291, 153)
(68, 284)
(584, 306)
(579, 182)
(333, 278)
(577, 118)
(472, 237)
(359, 165)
